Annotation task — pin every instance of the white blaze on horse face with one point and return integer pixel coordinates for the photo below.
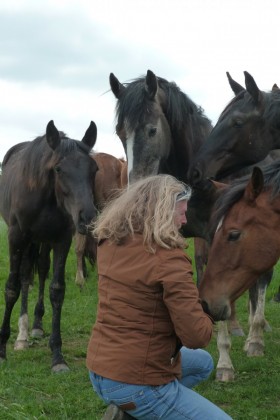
(129, 152)
(220, 224)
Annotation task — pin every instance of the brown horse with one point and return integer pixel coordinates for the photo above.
(110, 178)
(248, 215)
(45, 195)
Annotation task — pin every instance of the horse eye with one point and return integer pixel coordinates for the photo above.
(152, 132)
(238, 123)
(57, 169)
(233, 236)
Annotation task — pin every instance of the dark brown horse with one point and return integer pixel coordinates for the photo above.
(246, 132)
(45, 195)
(110, 178)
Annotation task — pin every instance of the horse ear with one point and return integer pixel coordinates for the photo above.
(255, 185)
(252, 87)
(116, 86)
(151, 84)
(275, 87)
(90, 136)
(52, 135)
(219, 185)
(236, 87)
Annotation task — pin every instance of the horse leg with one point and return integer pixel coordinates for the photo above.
(12, 287)
(26, 275)
(276, 297)
(200, 255)
(254, 345)
(234, 326)
(225, 370)
(80, 243)
(57, 292)
(44, 262)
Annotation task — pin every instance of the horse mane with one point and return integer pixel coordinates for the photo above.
(234, 191)
(272, 107)
(179, 110)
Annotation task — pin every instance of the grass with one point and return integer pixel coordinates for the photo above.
(30, 391)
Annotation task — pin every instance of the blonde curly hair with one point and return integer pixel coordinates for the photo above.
(146, 207)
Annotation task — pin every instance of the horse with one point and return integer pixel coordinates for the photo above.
(247, 213)
(45, 195)
(160, 127)
(110, 178)
(246, 132)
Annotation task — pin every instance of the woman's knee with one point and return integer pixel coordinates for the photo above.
(208, 363)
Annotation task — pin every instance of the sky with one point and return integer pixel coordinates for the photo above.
(56, 57)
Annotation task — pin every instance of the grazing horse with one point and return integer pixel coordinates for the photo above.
(160, 127)
(45, 195)
(246, 131)
(247, 214)
(110, 177)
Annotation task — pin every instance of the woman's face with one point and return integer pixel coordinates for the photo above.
(180, 213)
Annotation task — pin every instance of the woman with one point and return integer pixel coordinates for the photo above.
(141, 355)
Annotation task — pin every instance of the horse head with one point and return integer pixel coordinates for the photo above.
(74, 172)
(246, 243)
(246, 131)
(142, 125)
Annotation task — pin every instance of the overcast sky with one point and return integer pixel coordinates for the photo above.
(56, 57)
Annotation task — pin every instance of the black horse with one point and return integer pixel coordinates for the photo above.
(45, 195)
(246, 132)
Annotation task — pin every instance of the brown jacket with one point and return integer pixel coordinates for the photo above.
(148, 303)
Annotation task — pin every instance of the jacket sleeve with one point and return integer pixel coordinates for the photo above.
(192, 325)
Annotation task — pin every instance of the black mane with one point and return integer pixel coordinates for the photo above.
(180, 109)
(234, 192)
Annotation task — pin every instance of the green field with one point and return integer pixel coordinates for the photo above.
(28, 389)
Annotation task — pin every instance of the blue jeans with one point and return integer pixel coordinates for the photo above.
(173, 401)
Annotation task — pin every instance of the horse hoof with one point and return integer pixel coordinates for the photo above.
(267, 327)
(115, 413)
(21, 345)
(237, 332)
(255, 350)
(80, 282)
(37, 333)
(60, 367)
(224, 375)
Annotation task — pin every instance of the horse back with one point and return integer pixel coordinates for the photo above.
(110, 177)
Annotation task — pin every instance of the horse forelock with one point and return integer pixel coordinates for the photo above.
(235, 100)
(133, 104)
